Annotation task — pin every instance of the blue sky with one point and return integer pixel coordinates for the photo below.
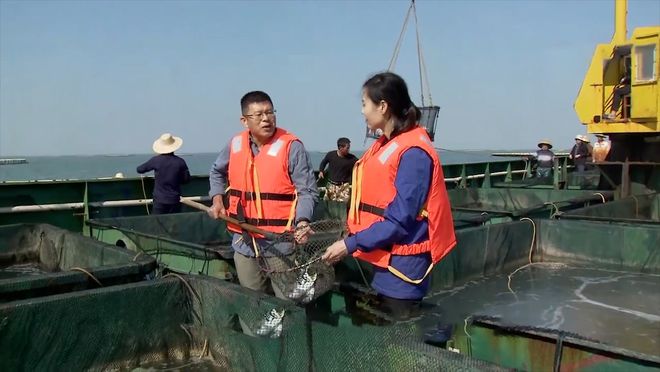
(107, 77)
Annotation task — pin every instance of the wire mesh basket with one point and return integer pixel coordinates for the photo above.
(302, 276)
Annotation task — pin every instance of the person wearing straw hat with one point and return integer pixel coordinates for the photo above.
(601, 148)
(580, 152)
(545, 159)
(170, 172)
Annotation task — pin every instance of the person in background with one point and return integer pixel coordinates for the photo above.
(545, 159)
(621, 90)
(399, 219)
(340, 166)
(580, 152)
(272, 186)
(170, 172)
(601, 148)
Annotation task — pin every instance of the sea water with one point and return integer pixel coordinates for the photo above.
(99, 166)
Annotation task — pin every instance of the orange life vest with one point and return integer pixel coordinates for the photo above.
(260, 189)
(373, 190)
(601, 149)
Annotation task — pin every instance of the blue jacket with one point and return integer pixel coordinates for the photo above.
(170, 172)
(413, 181)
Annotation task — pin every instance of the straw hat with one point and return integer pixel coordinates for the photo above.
(599, 135)
(545, 142)
(582, 138)
(167, 143)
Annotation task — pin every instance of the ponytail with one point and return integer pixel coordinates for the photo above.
(412, 115)
(407, 121)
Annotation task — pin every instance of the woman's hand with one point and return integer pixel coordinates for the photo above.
(335, 252)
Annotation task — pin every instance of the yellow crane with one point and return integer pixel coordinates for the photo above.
(623, 62)
(619, 97)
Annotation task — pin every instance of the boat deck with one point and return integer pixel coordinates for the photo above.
(613, 308)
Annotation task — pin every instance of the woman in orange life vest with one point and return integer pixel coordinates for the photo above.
(400, 218)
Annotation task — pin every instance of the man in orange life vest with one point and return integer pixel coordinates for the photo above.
(399, 219)
(271, 185)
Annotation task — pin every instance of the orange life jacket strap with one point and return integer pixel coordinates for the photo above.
(292, 211)
(356, 193)
(257, 191)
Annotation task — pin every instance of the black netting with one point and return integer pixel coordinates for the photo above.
(194, 322)
(184, 242)
(40, 259)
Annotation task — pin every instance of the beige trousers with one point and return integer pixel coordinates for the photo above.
(251, 275)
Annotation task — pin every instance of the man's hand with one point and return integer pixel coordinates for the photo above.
(218, 208)
(321, 175)
(335, 252)
(302, 232)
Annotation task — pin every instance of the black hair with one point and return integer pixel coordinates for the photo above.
(343, 141)
(255, 96)
(391, 88)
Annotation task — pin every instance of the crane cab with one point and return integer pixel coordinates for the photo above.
(620, 97)
(620, 90)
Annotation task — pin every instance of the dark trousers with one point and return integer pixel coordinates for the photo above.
(161, 208)
(400, 309)
(543, 172)
(619, 93)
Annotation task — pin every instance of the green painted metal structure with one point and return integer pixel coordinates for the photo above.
(190, 243)
(633, 209)
(487, 195)
(565, 269)
(68, 204)
(199, 323)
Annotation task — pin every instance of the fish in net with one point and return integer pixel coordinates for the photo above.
(292, 260)
(299, 272)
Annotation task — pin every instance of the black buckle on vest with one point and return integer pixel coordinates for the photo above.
(372, 209)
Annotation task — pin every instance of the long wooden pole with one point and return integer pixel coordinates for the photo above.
(245, 226)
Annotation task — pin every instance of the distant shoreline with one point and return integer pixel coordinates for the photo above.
(207, 153)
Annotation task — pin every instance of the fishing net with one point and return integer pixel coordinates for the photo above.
(302, 276)
(196, 323)
(39, 259)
